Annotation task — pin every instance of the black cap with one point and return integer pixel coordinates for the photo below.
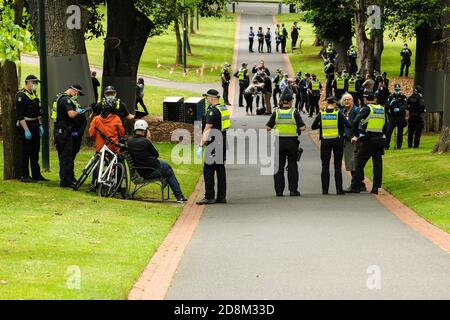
(212, 93)
(78, 88)
(397, 86)
(287, 97)
(32, 78)
(332, 99)
(418, 89)
(109, 89)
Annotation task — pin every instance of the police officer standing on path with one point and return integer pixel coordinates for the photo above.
(331, 123)
(406, 54)
(215, 125)
(28, 114)
(288, 125)
(369, 129)
(226, 77)
(396, 111)
(244, 79)
(66, 110)
(416, 109)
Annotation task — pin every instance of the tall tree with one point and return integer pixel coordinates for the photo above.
(13, 37)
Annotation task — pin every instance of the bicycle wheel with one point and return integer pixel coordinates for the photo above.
(87, 171)
(108, 189)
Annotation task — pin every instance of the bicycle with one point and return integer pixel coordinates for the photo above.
(111, 171)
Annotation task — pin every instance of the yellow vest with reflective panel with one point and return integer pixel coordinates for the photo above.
(225, 116)
(376, 119)
(55, 105)
(340, 84)
(241, 74)
(315, 85)
(285, 123)
(352, 86)
(330, 129)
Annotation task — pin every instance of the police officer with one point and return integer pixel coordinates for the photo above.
(369, 129)
(353, 89)
(406, 54)
(65, 112)
(294, 35)
(396, 111)
(303, 87)
(331, 123)
(120, 109)
(244, 79)
(314, 88)
(288, 124)
(360, 81)
(283, 34)
(215, 125)
(339, 86)
(28, 114)
(251, 38)
(351, 57)
(226, 77)
(416, 109)
(330, 54)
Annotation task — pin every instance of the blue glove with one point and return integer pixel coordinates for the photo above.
(80, 110)
(396, 110)
(75, 134)
(41, 130)
(27, 134)
(199, 152)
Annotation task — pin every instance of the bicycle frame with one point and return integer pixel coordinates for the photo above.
(106, 174)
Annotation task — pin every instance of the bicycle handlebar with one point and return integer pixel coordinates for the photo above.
(120, 145)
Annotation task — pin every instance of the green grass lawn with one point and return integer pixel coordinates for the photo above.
(310, 61)
(420, 180)
(212, 45)
(153, 96)
(45, 230)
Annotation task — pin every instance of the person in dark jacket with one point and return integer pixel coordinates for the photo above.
(396, 111)
(260, 35)
(416, 109)
(331, 123)
(145, 156)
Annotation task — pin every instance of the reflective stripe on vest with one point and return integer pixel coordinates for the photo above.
(315, 85)
(330, 129)
(241, 74)
(31, 96)
(55, 105)
(225, 116)
(376, 119)
(285, 123)
(352, 86)
(340, 84)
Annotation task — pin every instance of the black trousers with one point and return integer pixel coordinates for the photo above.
(415, 127)
(314, 105)
(298, 99)
(335, 146)
(65, 147)
(250, 44)
(328, 86)
(140, 100)
(338, 93)
(288, 148)
(294, 40)
(209, 171)
(395, 122)
(269, 46)
(276, 91)
(404, 66)
(248, 102)
(283, 45)
(304, 101)
(242, 86)
(371, 147)
(225, 86)
(277, 46)
(260, 46)
(30, 151)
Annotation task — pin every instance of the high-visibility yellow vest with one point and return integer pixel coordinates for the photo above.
(225, 116)
(352, 86)
(241, 74)
(55, 105)
(330, 129)
(285, 123)
(376, 119)
(340, 84)
(315, 85)
(31, 96)
(117, 104)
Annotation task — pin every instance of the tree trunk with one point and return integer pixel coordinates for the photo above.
(364, 44)
(342, 43)
(444, 142)
(128, 31)
(378, 43)
(179, 57)
(191, 21)
(11, 144)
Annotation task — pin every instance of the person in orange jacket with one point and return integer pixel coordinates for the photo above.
(110, 125)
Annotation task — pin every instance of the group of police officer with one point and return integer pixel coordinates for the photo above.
(69, 125)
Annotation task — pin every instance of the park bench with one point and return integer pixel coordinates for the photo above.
(137, 182)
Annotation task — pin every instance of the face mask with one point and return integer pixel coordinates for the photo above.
(74, 98)
(110, 99)
(34, 86)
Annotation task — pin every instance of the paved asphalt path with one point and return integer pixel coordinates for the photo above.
(259, 246)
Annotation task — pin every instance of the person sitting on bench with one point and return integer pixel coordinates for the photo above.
(145, 156)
